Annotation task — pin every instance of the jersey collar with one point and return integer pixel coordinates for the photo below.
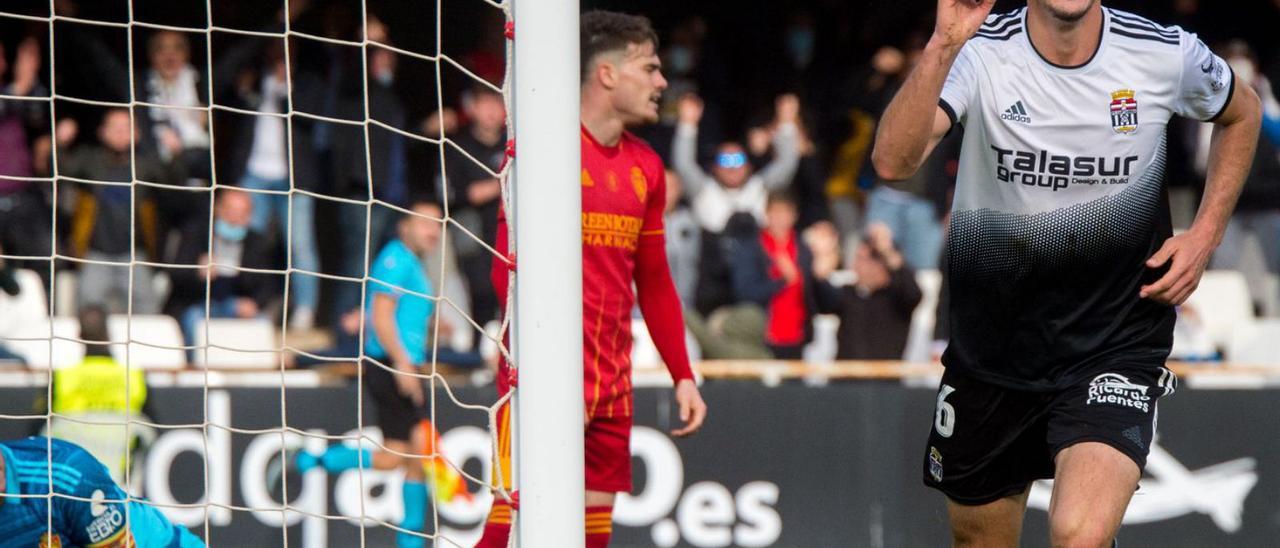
(1097, 52)
(608, 150)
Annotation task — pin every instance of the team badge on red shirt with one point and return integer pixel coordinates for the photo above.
(639, 183)
(1124, 111)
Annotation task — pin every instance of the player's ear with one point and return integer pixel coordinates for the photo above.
(607, 73)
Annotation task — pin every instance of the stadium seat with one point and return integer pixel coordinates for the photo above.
(237, 344)
(31, 301)
(1256, 344)
(65, 286)
(1223, 302)
(823, 347)
(35, 347)
(488, 348)
(1271, 295)
(920, 338)
(644, 354)
(155, 342)
(23, 313)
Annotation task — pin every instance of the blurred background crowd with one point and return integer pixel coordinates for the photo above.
(774, 215)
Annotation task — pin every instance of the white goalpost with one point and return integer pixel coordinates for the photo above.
(548, 288)
(540, 192)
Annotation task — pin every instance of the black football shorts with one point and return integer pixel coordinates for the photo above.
(395, 414)
(989, 442)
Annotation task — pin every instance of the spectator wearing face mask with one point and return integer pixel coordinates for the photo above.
(232, 293)
(377, 170)
(732, 186)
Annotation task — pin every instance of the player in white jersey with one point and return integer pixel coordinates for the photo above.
(1063, 268)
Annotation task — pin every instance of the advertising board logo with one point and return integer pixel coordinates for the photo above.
(1170, 490)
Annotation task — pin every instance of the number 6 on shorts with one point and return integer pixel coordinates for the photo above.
(944, 419)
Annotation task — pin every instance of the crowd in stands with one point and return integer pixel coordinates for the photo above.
(774, 215)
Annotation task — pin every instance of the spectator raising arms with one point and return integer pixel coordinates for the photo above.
(24, 211)
(732, 186)
(875, 312)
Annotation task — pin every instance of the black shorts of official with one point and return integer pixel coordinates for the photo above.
(989, 442)
(396, 414)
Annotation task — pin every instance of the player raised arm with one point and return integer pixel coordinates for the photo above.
(1234, 141)
(914, 122)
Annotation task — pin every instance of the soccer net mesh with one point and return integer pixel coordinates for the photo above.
(48, 344)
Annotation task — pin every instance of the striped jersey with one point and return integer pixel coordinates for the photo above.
(86, 509)
(623, 198)
(1060, 198)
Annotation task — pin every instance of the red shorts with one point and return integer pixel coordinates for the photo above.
(608, 463)
(607, 442)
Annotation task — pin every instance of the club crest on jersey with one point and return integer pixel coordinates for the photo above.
(1124, 111)
(639, 183)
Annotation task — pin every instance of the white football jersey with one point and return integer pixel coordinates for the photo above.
(1060, 199)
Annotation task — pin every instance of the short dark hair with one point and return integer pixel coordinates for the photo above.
(607, 31)
(416, 202)
(477, 90)
(781, 197)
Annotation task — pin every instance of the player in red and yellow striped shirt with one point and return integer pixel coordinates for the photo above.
(623, 195)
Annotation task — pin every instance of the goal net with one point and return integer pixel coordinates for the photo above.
(156, 117)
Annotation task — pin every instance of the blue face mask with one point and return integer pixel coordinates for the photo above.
(730, 160)
(230, 232)
(800, 43)
(679, 60)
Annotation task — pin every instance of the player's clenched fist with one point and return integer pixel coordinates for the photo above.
(958, 20)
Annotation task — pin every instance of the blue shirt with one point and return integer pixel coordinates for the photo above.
(398, 272)
(98, 520)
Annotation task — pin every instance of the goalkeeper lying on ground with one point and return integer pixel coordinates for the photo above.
(95, 517)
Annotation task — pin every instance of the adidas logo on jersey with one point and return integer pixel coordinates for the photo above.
(1016, 113)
